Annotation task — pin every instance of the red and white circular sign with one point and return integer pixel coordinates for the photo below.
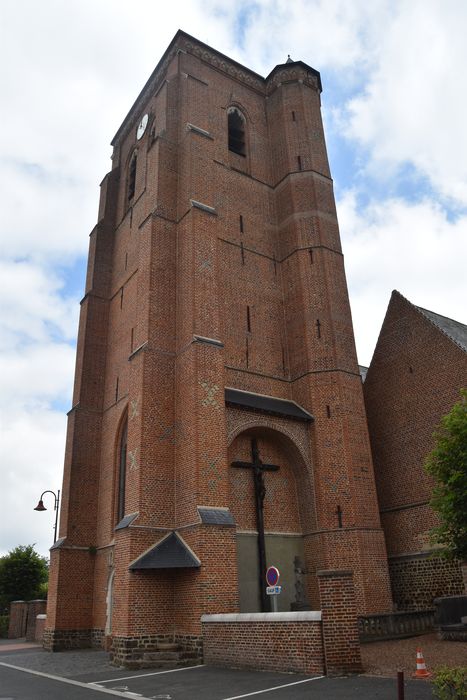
(272, 576)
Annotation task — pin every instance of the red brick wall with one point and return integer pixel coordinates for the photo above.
(340, 630)
(307, 642)
(265, 641)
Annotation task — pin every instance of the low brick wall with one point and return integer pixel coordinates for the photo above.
(23, 616)
(35, 608)
(40, 626)
(18, 619)
(289, 642)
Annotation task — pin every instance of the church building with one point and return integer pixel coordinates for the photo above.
(218, 425)
(418, 368)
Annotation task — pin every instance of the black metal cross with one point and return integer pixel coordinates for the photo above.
(260, 491)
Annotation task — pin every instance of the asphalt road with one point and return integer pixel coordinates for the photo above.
(197, 683)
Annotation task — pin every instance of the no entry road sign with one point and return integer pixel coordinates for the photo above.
(272, 576)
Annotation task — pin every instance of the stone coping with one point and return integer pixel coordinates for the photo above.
(299, 616)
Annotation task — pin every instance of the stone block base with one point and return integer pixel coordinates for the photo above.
(151, 651)
(60, 640)
(416, 580)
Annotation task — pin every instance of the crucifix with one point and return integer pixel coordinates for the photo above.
(260, 491)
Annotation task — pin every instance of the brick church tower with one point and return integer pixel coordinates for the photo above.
(218, 423)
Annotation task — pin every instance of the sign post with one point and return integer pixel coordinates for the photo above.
(273, 589)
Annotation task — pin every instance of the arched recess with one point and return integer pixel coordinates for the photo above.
(288, 511)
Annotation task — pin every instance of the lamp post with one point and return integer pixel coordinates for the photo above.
(41, 506)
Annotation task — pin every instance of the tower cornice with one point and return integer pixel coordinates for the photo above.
(183, 42)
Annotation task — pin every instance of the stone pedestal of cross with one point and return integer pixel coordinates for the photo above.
(260, 491)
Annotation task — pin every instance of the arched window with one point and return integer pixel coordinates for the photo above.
(122, 450)
(132, 177)
(236, 123)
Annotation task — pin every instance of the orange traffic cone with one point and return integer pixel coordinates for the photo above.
(421, 671)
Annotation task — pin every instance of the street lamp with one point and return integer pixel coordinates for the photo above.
(41, 506)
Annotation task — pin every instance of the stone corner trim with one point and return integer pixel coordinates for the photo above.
(300, 616)
(334, 573)
(204, 207)
(208, 341)
(199, 130)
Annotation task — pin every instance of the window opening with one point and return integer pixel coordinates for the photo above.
(248, 320)
(132, 177)
(236, 132)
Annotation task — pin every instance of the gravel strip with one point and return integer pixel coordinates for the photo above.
(386, 658)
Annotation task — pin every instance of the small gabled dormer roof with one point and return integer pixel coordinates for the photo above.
(171, 552)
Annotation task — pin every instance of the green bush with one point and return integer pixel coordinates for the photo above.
(4, 620)
(450, 683)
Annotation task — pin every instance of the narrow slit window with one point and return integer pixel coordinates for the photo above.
(299, 162)
(241, 223)
(116, 391)
(132, 177)
(236, 125)
(122, 472)
(293, 115)
(248, 319)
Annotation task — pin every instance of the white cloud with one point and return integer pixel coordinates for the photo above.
(32, 306)
(32, 448)
(71, 71)
(413, 248)
(414, 109)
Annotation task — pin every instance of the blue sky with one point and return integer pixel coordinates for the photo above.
(394, 111)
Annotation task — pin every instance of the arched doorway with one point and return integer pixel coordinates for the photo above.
(109, 604)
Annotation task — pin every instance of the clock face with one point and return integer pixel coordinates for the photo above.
(142, 126)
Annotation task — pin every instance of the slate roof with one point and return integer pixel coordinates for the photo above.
(453, 329)
(215, 516)
(126, 521)
(171, 552)
(267, 404)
